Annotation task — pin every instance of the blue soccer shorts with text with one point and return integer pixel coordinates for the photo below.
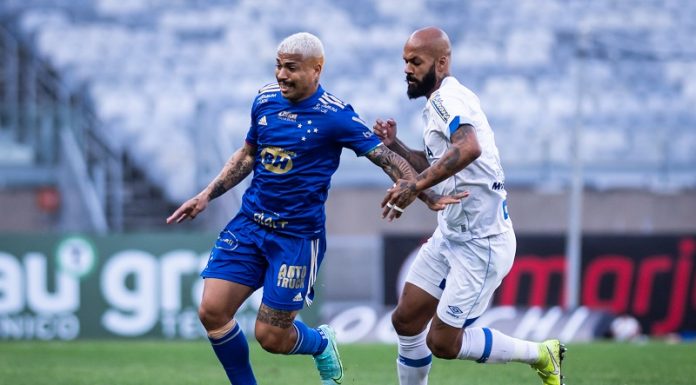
(252, 255)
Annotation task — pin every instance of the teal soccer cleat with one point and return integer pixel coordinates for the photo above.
(329, 361)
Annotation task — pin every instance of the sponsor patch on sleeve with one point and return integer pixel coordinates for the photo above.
(436, 102)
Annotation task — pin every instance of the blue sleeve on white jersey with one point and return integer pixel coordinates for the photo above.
(355, 134)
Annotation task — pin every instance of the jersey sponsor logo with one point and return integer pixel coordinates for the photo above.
(287, 116)
(277, 160)
(262, 121)
(324, 108)
(269, 221)
(265, 98)
(291, 277)
(498, 185)
(436, 102)
(226, 241)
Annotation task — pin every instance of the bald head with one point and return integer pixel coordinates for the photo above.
(431, 40)
(427, 54)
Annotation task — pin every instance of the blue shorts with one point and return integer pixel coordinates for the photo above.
(252, 255)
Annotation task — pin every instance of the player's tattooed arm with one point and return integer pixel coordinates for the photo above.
(386, 132)
(464, 150)
(393, 164)
(279, 318)
(415, 158)
(240, 164)
(404, 191)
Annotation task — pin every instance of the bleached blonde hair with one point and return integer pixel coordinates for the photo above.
(302, 43)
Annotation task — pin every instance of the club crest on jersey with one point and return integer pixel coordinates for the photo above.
(277, 160)
(309, 130)
(287, 116)
(436, 102)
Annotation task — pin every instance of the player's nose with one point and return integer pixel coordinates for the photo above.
(281, 74)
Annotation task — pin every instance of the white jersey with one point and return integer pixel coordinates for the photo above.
(484, 212)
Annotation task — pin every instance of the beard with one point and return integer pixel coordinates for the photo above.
(421, 87)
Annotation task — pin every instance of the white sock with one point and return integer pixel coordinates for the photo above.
(414, 361)
(485, 345)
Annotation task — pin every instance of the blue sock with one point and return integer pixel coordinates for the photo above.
(309, 341)
(232, 350)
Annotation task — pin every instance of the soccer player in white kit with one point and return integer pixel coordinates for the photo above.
(472, 249)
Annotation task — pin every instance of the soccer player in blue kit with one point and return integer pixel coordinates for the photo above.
(277, 240)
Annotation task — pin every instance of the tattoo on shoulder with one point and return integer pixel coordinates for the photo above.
(279, 318)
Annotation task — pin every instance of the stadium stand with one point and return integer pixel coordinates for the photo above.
(171, 82)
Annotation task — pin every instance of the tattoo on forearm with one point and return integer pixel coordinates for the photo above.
(234, 171)
(279, 318)
(416, 159)
(392, 164)
(218, 189)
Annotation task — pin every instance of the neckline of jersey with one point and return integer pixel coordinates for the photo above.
(306, 102)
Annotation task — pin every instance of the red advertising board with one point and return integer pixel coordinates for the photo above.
(652, 278)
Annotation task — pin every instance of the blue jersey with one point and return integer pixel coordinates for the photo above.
(298, 150)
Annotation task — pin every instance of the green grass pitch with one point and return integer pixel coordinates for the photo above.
(180, 363)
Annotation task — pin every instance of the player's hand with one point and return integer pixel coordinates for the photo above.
(190, 209)
(437, 202)
(398, 197)
(385, 131)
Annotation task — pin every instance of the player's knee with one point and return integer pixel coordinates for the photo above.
(442, 348)
(211, 319)
(271, 341)
(399, 322)
(402, 325)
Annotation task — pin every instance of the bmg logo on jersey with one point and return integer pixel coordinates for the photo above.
(277, 160)
(291, 277)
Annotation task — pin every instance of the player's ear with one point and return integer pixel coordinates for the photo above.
(317, 67)
(443, 63)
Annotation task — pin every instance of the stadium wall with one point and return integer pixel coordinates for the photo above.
(64, 287)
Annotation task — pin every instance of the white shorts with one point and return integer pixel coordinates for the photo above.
(472, 269)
